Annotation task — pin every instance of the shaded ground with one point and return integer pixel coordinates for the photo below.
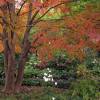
(33, 93)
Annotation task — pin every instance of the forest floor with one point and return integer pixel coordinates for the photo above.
(33, 93)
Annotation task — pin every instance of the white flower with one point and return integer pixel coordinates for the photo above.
(48, 69)
(53, 98)
(49, 75)
(56, 83)
(45, 74)
(94, 61)
(45, 79)
(52, 80)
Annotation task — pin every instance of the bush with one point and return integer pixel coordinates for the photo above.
(30, 67)
(31, 82)
(82, 71)
(66, 74)
(92, 62)
(31, 72)
(60, 61)
(83, 90)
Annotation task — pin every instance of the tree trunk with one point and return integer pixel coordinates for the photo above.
(9, 64)
(21, 65)
(8, 10)
(10, 73)
(20, 74)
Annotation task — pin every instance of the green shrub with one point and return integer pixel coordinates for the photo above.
(30, 70)
(92, 61)
(83, 72)
(31, 82)
(83, 90)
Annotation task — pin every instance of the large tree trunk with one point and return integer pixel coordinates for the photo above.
(8, 25)
(10, 73)
(9, 64)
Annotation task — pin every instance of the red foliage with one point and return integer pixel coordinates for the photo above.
(84, 33)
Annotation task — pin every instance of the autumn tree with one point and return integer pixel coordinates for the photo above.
(79, 32)
(18, 16)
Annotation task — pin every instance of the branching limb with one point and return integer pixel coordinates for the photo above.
(21, 7)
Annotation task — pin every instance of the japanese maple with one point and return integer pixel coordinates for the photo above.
(84, 32)
(16, 22)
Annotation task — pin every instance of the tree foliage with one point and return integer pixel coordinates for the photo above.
(72, 34)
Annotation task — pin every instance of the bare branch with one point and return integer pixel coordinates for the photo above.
(21, 7)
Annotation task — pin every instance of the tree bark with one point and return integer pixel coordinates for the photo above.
(9, 64)
(10, 73)
(21, 64)
(8, 25)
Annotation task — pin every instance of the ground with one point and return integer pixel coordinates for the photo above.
(33, 93)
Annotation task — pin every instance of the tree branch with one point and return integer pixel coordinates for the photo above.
(28, 22)
(21, 7)
(39, 19)
(34, 22)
